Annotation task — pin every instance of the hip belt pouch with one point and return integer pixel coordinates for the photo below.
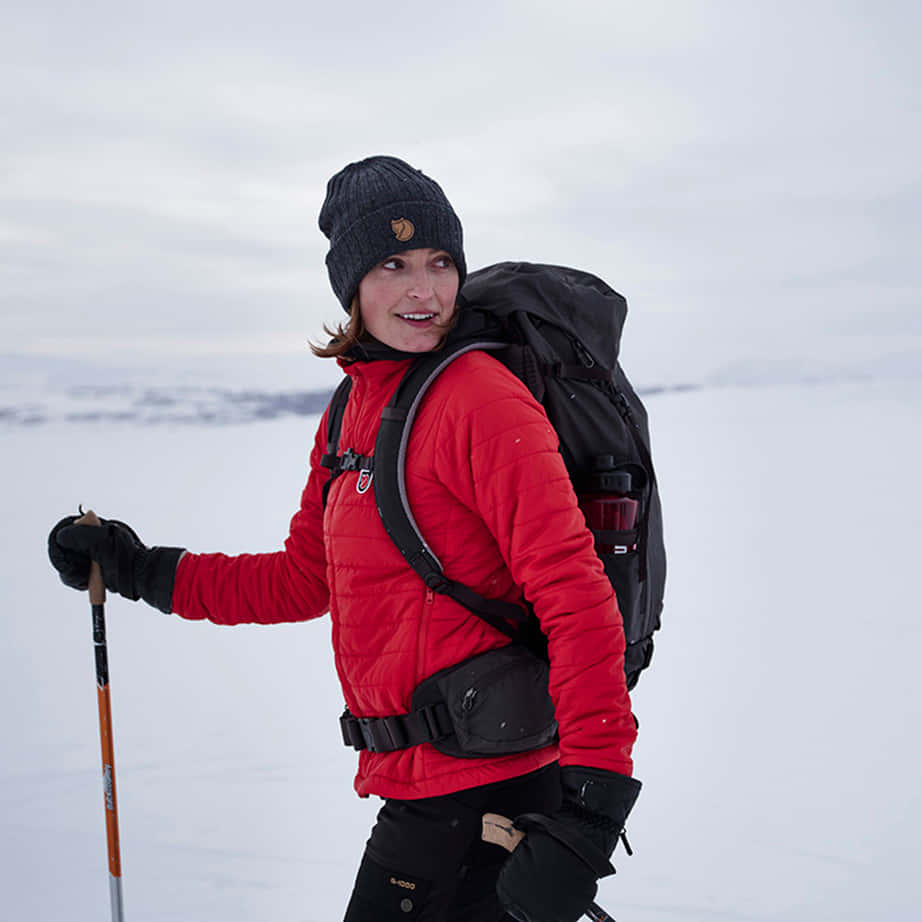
(498, 702)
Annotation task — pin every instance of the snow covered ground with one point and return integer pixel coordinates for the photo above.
(779, 738)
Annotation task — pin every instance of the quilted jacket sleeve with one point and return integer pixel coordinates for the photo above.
(502, 455)
(287, 585)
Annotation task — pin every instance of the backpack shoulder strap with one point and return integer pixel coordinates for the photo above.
(391, 492)
(335, 412)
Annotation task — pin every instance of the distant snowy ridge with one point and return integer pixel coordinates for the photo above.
(154, 405)
(184, 405)
(34, 399)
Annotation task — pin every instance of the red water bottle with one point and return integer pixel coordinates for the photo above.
(610, 512)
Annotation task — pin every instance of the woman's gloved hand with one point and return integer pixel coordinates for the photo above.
(128, 567)
(552, 876)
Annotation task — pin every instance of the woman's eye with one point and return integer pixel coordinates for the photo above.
(391, 264)
(444, 261)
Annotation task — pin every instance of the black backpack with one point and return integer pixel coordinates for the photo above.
(559, 331)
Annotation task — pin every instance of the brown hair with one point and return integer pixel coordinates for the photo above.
(344, 336)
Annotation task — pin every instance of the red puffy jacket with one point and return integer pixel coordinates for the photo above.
(490, 492)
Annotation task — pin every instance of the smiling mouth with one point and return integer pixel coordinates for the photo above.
(417, 318)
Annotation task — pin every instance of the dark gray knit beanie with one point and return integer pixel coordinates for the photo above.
(380, 206)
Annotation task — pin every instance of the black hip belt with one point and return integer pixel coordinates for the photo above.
(386, 734)
(495, 703)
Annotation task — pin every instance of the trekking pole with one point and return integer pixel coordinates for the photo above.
(97, 602)
(500, 831)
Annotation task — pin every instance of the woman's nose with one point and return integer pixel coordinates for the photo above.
(420, 284)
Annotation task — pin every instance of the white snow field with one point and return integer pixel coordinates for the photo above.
(779, 742)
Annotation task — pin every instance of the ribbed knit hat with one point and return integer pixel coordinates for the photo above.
(381, 206)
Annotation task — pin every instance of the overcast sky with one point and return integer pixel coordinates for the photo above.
(748, 175)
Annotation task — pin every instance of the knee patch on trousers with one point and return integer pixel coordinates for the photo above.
(386, 895)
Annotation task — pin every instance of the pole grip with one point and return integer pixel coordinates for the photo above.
(501, 831)
(97, 584)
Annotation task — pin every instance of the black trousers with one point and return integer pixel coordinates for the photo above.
(425, 861)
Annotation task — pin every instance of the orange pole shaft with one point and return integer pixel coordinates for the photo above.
(108, 780)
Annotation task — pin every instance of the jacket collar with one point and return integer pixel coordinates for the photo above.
(373, 351)
(373, 361)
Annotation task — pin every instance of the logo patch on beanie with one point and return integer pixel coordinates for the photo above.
(403, 229)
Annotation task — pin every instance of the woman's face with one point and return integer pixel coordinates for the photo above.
(408, 300)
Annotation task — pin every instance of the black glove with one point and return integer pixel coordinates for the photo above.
(552, 875)
(128, 567)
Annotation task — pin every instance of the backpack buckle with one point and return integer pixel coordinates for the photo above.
(383, 734)
(437, 582)
(349, 460)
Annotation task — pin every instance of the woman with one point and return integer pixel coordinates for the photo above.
(490, 491)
